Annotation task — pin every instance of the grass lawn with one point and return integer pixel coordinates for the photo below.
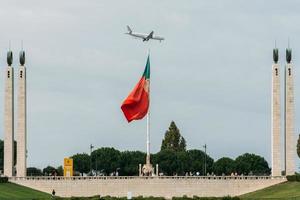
(286, 191)
(10, 191)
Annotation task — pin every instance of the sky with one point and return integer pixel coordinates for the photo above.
(211, 75)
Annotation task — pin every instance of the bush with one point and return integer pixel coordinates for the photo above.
(205, 198)
(230, 198)
(295, 177)
(3, 179)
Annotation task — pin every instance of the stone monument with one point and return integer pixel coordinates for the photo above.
(21, 119)
(275, 109)
(9, 118)
(290, 142)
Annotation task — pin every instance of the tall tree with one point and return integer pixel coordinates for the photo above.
(173, 140)
(81, 162)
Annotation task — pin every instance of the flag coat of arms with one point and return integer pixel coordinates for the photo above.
(136, 105)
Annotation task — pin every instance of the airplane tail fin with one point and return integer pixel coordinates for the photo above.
(129, 29)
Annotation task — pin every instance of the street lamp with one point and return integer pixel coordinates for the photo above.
(91, 150)
(205, 147)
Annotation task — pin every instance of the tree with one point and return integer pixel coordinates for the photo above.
(224, 166)
(173, 140)
(298, 147)
(248, 164)
(49, 171)
(33, 171)
(183, 163)
(60, 171)
(81, 162)
(167, 161)
(106, 159)
(129, 162)
(197, 164)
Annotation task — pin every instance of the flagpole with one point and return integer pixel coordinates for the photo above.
(148, 139)
(148, 126)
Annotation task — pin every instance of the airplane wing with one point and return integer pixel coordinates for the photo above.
(149, 36)
(158, 38)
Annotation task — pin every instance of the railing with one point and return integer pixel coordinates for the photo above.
(58, 178)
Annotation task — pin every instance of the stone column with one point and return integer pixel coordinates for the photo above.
(290, 141)
(9, 120)
(21, 123)
(275, 109)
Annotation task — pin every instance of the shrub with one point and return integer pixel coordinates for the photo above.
(3, 179)
(295, 177)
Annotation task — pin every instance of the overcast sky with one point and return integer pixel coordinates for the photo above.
(212, 74)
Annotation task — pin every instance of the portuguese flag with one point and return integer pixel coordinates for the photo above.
(136, 105)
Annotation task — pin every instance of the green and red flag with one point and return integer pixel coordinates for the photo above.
(136, 105)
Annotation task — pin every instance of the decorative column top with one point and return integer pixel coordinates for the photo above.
(288, 55)
(22, 58)
(275, 55)
(9, 58)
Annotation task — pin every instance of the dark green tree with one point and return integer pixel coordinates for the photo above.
(173, 140)
(60, 171)
(298, 147)
(197, 163)
(183, 163)
(248, 164)
(224, 166)
(129, 162)
(81, 162)
(49, 171)
(106, 160)
(33, 171)
(167, 161)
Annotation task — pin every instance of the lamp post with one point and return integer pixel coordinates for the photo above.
(205, 147)
(91, 150)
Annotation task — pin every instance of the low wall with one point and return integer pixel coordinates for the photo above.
(162, 186)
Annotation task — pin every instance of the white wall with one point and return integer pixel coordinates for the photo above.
(148, 186)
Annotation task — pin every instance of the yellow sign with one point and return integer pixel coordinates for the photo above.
(68, 167)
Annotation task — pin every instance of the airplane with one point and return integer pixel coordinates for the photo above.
(143, 36)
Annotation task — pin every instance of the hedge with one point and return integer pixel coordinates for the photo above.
(295, 177)
(3, 179)
(148, 198)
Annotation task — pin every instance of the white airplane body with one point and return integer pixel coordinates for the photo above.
(143, 36)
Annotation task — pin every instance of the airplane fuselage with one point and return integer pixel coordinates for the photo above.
(143, 36)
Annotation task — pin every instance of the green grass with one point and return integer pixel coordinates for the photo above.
(10, 191)
(283, 191)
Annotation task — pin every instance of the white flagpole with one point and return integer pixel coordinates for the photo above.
(148, 126)
(148, 139)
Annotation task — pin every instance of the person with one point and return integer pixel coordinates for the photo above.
(53, 193)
